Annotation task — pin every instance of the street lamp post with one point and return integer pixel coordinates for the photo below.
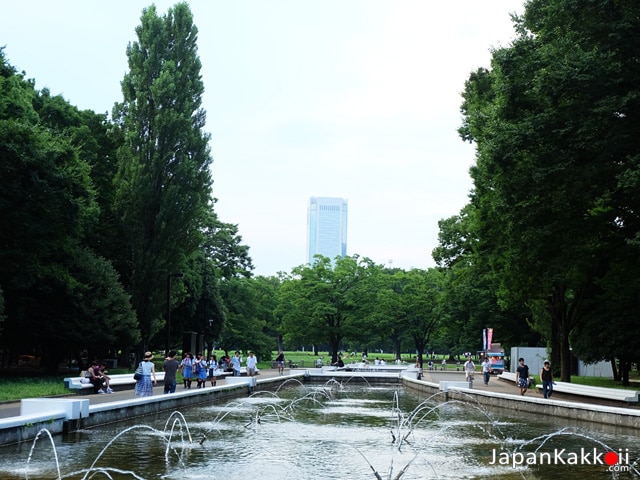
(169, 277)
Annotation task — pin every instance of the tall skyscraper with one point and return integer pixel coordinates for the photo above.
(327, 228)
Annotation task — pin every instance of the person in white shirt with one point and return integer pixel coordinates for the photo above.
(236, 361)
(252, 361)
(469, 369)
(486, 370)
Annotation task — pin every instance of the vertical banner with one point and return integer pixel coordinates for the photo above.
(489, 337)
(484, 339)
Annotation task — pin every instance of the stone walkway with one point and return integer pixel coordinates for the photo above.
(11, 409)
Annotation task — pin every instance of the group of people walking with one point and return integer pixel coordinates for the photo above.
(523, 379)
(202, 370)
(485, 367)
(192, 367)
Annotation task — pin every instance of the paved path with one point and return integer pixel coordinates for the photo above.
(12, 409)
(495, 384)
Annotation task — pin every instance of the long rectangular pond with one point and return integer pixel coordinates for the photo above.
(333, 430)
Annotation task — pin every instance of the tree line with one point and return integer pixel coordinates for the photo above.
(103, 217)
(99, 213)
(553, 215)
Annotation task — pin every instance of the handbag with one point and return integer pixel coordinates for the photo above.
(138, 373)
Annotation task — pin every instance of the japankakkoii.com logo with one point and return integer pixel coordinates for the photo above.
(613, 461)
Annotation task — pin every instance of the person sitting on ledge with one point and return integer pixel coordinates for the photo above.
(95, 377)
(106, 379)
(339, 363)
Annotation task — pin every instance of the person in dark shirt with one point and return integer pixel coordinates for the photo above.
(280, 362)
(170, 367)
(522, 376)
(95, 377)
(546, 377)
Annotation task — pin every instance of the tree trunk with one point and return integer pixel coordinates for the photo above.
(560, 331)
(565, 352)
(334, 341)
(555, 348)
(625, 367)
(398, 350)
(614, 369)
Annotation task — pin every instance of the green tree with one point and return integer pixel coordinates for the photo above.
(101, 318)
(267, 293)
(224, 246)
(610, 328)
(413, 303)
(163, 192)
(196, 304)
(471, 292)
(320, 304)
(247, 316)
(96, 142)
(554, 124)
(382, 320)
(198, 299)
(47, 208)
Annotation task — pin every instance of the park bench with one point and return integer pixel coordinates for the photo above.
(80, 384)
(615, 394)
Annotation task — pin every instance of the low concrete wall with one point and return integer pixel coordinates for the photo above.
(69, 414)
(26, 427)
(448, 385)
(620, 417)
(115, 411)
(72, 409)
(317, 375)
(137, 407)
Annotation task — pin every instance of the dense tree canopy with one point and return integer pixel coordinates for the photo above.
(411, 302)
(96, 215)
(470, 295)
(555, 123)
(48, 210)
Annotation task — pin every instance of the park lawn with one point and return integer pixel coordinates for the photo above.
(12, 389)
(607, 382)
(308, 359)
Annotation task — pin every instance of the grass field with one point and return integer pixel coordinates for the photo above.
(12, 389)
(18, 388)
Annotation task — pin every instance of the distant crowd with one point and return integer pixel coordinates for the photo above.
(191, 367)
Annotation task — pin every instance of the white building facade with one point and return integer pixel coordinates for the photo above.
(326, 228)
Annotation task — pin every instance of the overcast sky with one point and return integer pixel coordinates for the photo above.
(345, 98)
